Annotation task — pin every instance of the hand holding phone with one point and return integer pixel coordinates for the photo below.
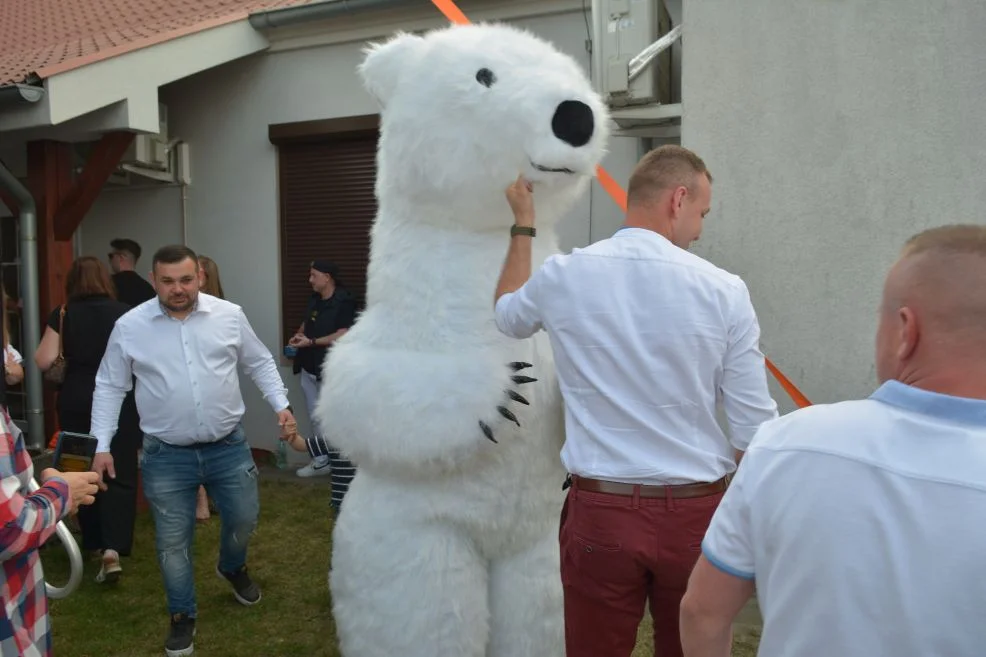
(82, 486)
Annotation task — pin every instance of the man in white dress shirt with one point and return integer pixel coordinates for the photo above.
(184, 347)
(861, 522)
(646, 337)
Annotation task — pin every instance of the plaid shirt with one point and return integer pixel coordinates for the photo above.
(28, 520)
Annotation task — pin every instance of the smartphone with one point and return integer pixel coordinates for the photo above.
(74, 452)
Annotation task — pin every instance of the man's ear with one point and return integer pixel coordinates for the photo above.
(384, 63)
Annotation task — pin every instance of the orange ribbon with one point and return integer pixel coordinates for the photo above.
(613, 188)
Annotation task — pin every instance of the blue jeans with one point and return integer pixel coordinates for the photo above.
(171, 477)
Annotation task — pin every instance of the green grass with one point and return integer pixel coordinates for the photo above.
(289, 559)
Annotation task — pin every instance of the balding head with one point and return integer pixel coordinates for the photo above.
(933, 316)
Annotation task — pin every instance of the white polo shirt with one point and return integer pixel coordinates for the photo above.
(862, 523)
(645, 337)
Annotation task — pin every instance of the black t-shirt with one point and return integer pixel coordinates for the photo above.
(131, 288)
(324, 317)
(87, 327)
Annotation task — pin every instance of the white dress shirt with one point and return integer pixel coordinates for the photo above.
(646, 336)
(188, 390)
(862, 525)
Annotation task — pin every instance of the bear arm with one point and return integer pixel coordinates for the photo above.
(390, 409)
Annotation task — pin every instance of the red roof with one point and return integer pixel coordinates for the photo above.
(44, 37)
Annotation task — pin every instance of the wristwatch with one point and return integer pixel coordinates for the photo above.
(311, 342)
(522, 230)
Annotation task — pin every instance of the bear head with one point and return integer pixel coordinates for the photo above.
(466, 109)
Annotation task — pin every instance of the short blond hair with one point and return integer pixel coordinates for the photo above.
(665, 167)
(950, 239)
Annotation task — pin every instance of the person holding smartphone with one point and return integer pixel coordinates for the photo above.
(27, 520)
(330, 314)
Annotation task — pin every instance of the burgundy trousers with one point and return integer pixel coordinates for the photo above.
(619, 552)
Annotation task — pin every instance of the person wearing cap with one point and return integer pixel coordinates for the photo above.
(331, 311)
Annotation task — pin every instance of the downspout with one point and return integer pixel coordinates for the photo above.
(263, 20)
(19, 94)
(32, 311)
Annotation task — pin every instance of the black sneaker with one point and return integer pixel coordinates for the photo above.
(246, 592)
(179, 642)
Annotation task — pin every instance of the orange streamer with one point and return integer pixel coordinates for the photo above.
(619, 196)
(451, 11)
(612, 187)
(789, 387)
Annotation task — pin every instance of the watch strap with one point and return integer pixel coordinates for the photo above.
(522, 230)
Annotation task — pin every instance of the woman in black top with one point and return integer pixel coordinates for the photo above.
(90, 314)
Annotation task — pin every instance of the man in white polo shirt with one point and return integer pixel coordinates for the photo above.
(646, 336)
(861, 522)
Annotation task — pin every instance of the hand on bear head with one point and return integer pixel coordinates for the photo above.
(520, 195)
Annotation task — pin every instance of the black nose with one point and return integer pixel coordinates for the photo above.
(573, 123)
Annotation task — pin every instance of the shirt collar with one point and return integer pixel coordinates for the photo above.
(946, 407)
(203, 303)
(641, 232)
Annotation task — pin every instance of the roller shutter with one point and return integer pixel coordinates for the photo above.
(327, 209)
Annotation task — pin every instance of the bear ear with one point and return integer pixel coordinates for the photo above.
(384, 63)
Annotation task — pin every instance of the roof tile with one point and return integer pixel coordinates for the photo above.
(39, 38)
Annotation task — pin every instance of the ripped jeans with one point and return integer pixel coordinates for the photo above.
(171, 477)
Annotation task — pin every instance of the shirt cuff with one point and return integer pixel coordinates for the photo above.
(742, 436)
(103, 444)
(499, 310)
(60, 489)
(722, 565)
(280, 403)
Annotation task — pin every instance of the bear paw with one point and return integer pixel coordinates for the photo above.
(512, 395)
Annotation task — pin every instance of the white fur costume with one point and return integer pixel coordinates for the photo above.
(447, 544)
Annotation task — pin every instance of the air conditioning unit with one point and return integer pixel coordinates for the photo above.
(625, 32)
(151, 151)
(150, 159)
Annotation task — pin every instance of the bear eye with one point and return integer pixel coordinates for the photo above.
(485, 77)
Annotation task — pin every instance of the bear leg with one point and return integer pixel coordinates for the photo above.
(527, 615)
(413, 591)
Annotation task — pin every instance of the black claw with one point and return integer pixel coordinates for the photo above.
(520, 378)
(505, 412)
(517, 366)
(517, 398)
(487, 431)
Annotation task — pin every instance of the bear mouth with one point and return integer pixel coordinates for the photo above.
(541, 167)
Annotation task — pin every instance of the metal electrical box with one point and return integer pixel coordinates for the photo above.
(622, 29)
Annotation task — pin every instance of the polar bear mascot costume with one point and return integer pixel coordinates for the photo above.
(447, 542)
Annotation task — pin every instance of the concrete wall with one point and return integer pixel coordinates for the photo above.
(834, 131)
(232, 205)
(152, 216)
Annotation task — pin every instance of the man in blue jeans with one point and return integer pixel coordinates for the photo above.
(183, 347)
